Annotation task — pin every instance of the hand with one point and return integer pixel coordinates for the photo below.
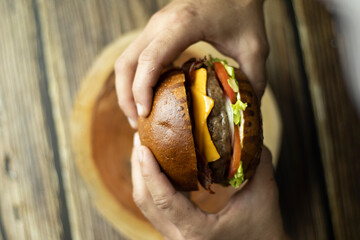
(251, 213)
(235, 27)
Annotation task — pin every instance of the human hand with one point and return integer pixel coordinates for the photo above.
(251, 213)
(235, 27)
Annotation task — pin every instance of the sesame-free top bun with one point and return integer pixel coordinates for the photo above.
(167, 131)
(252, 126)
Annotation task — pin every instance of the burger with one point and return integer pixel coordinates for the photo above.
(205, 125)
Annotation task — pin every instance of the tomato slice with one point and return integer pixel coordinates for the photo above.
(235, 160)
(223, 77)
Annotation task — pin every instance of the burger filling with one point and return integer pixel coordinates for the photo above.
(219, 128)
(226, 76)
(217, 114)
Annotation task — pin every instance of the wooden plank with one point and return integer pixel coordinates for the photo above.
(338, 126)
(71, 34)
(2, 229)
(301, 186)
(69, 52)
(32, 197)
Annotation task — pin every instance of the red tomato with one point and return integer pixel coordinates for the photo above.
(223, 77)
(235, 160)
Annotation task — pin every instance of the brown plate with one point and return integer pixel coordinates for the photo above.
(102, 142)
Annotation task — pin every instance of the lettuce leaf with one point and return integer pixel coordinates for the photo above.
(212, 60)
(230, 70)
(237, 108)
(238, 177)
(233, 84)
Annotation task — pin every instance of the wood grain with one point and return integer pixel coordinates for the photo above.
(338, 126)
(46, 47)
(55, 50)
(80, 43)
(85, 222)
(32, 195)
(301, 186)
(93, 99)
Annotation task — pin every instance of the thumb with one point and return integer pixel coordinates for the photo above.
(173, 204)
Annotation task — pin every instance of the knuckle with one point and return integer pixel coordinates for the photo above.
(158, 17)
(163, 202)
(147, 177)
(185, 13)
(147, 56)
(122, 64)
(260, 46)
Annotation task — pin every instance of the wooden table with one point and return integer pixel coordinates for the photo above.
(46, 48)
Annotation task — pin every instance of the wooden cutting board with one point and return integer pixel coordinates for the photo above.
(102, 142)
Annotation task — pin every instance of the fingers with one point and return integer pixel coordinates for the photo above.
(254, 69)
(256, 204)
(138, 68)
(143, 199)
(261, 187)
(172, 204)
(159, 53)
(139, 188)
(263, 182)
(252, 62)
(125, 68)
(265, 171)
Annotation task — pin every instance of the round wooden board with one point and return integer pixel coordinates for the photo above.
(102, 142)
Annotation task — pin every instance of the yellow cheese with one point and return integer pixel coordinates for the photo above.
(202, 106)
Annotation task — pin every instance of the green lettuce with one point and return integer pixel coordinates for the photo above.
(212, 60)
(237, 108)
(233, 84)
(238, 177)
(230, 70)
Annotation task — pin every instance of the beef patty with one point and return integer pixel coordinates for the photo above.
(219, 128)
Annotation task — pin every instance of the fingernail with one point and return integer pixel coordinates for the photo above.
(136, 140)
(133, 123)
(140, 109)
(140, 155)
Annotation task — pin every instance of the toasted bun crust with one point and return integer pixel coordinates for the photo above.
(252, 129)
(167, 132)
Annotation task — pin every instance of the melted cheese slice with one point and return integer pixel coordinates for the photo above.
(202, 106)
